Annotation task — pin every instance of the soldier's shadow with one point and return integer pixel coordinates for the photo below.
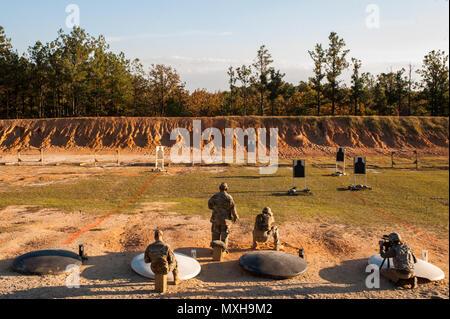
(214, 271)
(228, 271)
(201, 253)
(112, 266)
(352, 273)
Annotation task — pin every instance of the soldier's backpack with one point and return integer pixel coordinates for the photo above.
(262, 222)
(159, 262)
(404, 258)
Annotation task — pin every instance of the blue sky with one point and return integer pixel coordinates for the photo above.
(201, 38)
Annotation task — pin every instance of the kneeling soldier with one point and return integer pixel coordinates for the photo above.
(265, 228)
(161, 257)
(403, 258)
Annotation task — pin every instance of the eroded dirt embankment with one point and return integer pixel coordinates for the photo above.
(297, 135)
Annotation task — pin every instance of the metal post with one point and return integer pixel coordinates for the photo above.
(293, 174)
(118, 157)
(18, 158)
(417, 160)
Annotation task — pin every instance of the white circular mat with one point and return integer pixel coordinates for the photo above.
(188, 267)
(422, 269)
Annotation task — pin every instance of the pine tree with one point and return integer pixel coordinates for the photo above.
(336, 63)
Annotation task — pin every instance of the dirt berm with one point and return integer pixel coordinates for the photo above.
(297, 135)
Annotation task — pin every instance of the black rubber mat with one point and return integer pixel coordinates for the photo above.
(45, 262)
(273, 264)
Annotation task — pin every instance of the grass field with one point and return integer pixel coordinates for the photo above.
(419, 198)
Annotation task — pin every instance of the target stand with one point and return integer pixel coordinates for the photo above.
(359, 166)
(415, 162)
(21, 160)
(340, 163)
(159, 161)
(299, 171)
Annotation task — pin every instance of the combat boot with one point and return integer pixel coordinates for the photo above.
(176, 280)
(414, 284)
(278, 247)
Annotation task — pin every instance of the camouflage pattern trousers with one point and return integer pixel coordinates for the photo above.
(264, 236)
(220, 231)
(394, 275)
(166, 268)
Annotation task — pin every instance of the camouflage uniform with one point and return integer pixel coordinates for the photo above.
(403, 259)
(265, 228)
(161, 258)
(224, 214)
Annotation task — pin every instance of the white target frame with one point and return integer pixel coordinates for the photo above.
(159, 158)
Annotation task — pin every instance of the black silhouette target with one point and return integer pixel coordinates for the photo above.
(299, 169)
(360, 165)
(340, 156)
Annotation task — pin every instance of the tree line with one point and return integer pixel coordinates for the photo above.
(78, 75)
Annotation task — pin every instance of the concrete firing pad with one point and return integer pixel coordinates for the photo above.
(422, 269)
(45, 262)
(188, 267)
(273, 264)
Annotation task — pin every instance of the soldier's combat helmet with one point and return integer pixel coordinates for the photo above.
(158, 233)
(223, 187)
(395, 237)
(267, 210)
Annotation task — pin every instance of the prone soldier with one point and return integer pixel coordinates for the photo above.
(265, 229)
(161, 257)
(224, 214)
(403, 259)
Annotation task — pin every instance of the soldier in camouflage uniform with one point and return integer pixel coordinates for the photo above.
(403, 259)
(161, 257)
(265, 228)
(224, 214)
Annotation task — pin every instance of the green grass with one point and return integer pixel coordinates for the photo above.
(409, 195)
(95, 195)
(420, 198)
